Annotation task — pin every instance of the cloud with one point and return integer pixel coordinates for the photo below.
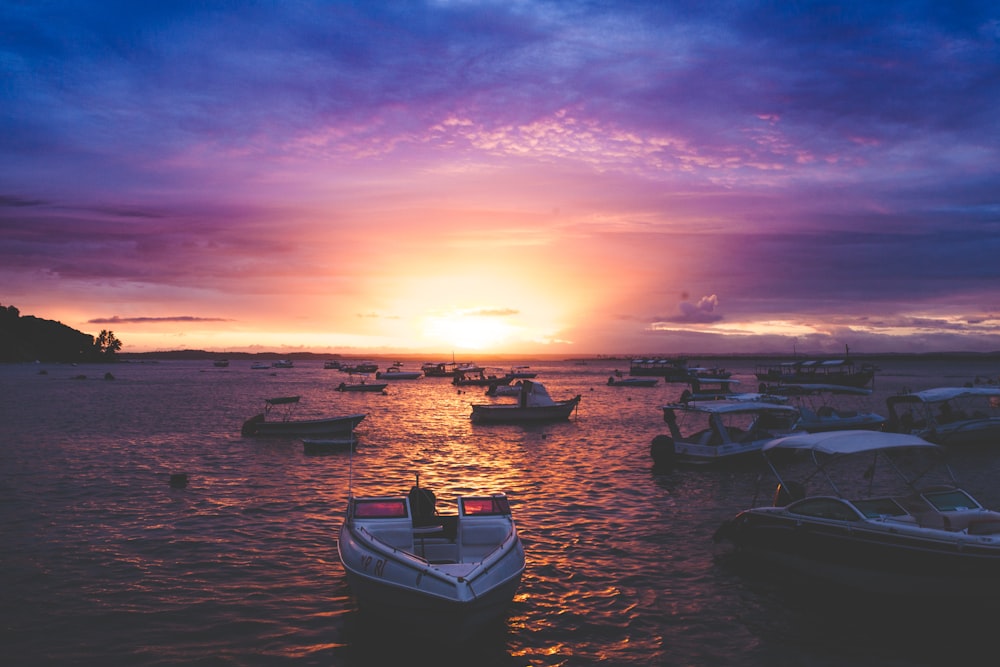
(702, 312)
(144, 320)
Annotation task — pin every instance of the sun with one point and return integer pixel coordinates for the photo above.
(469, 331)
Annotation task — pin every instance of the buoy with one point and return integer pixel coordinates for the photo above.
(178, 480)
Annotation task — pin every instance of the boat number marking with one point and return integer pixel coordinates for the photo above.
(379, 569)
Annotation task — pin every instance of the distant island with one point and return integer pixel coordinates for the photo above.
(29, 338)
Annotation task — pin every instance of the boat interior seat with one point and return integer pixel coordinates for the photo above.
(977, 522)
(479, 540)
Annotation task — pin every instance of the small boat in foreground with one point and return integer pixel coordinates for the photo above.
(428, 571)
(533, 406)
(883, 514)
(284, 425)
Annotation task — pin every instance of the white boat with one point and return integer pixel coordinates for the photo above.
(426, 571)
(533, 406)
(260, 365)
(396, 372)
(882, 514)
(721, 431)
(948, 415)
(521, 373)
(282, 424)
(830, 407)
(283, 363)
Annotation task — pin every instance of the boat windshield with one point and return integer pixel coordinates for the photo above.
(485, 505)
(390, 508)
(950, 501)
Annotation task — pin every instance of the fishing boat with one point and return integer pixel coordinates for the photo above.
(282, 424)
(533, 405)
(283, 363)
(361, 383)
(359, 367)
(816, 371)
(260, 365)
(221, 363)
(521, 373)
(671, 369)
(870, 511)
(948, 415)
(479, 377)
(720, 431)
(438, 369)
(427, 571)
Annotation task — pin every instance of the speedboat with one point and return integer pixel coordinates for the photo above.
(830, 407)
(948, 415)
(870, 511)
(533, 406)
(424, 570)
(722, 431)
(282, 424)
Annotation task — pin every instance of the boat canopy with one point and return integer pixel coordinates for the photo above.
(810, 388)
(847, 442)
(940, 394)
(724, 407)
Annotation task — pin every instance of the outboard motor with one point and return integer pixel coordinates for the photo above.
(422, 503)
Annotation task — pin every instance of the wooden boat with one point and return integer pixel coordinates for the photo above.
(817, 371)
(480, 377)
(671, 369)
(883, 514)
(439, 369)
(427, 571)
(327, 445)
(948, 415)
(359, 367)
(361, 383)
(720, 431)
(262, 424)
(534, 405)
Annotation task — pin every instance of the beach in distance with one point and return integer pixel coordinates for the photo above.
(104, 561)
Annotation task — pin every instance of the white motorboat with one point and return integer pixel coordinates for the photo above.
(396, 372)
(533, 406)
(714, 432)
(869, 511)
(454, 573)
(948, 415)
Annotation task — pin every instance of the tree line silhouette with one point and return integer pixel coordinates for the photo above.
(29, 338)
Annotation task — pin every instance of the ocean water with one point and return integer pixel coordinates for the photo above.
(103, 562)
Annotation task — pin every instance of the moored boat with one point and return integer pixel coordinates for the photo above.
(816, 371)
(424, 570)
(396, 372)
(948, 415)
(361, 383)
(830, 407)
(479, 377)
(671, 369)
(534, 405)
(872, 512)
(720, 431)
(263, 425)
(617, 381)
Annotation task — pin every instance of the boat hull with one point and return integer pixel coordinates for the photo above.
(886, 560)
(516, 414)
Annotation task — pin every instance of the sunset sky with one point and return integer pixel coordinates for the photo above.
(511, 177)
